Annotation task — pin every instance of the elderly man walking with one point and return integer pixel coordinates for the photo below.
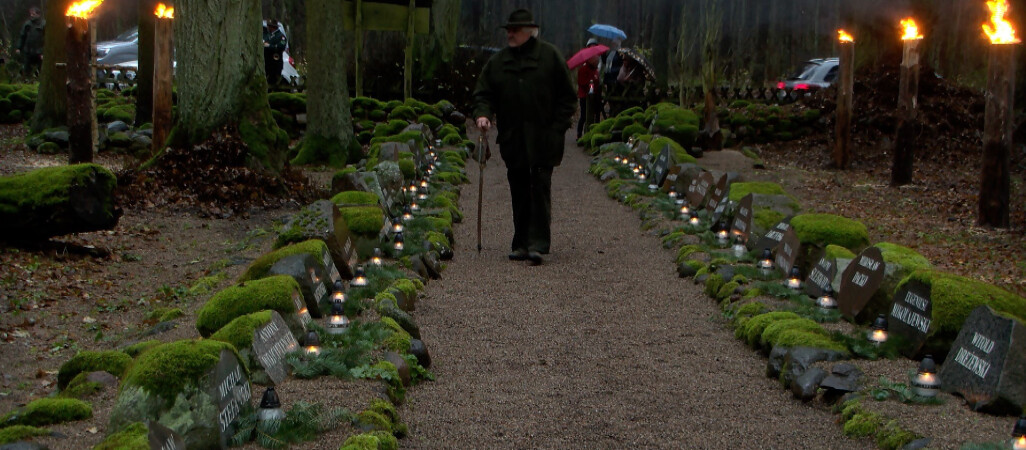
(526, 87)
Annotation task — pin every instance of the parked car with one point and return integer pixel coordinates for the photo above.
(814, 74)
(123, 51)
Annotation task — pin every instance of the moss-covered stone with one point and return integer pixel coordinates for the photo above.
(363, 220)
(318, 149)
(262, 266)
(678, 154)
(676, 123)
(769, 336)
(239, 332)
(132, 437)
(740, 189)
(80, 387)
(802, 338)
(752, 330)
(824, 229)
(727, 290)
(49, 193)
(167, 369)
(113, 362)
(17, 433)
(900, 262)
(287, 101)
(271, 293)
(48, 411)
(349, 198)
(863, 424)
(136, 349)
(837, 252)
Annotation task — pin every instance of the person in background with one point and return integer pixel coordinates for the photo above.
(30, 43)
(588, 89)
(275, 43)
(526, 88)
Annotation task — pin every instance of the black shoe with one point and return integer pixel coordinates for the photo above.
(535, 258)
(518, 255)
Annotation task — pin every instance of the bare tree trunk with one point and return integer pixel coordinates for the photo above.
(711, 136)
(52, 101)
(221, 79)
(144, 78)
(329, 129)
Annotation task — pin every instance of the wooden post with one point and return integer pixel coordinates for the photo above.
(81, 97)
(410, 34)
(907, 130)
(997, 137)
(359, 47)
(845, 88)
(163, 69)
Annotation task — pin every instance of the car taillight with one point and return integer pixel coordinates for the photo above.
(292, 62)
(801, 87)
(781, 85)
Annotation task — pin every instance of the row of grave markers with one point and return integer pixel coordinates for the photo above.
(985, 364)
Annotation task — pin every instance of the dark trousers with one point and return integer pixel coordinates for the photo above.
(593, 101)
(273, 65)
(33, 64)
(531, 190)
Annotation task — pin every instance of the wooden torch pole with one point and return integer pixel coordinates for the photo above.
(163, 70)
(81, 98)
(845, 96)
(997, 137)
(907, 132)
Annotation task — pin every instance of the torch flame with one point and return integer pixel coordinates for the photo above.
(843, 36)
(1002, 33)
(163, 12)
(83, 8)
(911, 30)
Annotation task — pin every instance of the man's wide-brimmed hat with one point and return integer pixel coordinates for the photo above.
(520, 18)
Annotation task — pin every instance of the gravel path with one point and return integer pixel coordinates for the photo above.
(603, 346)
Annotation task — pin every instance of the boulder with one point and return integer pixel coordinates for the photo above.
(117, 126)
(804, 387)
(844, 378)
(277, 293)
(816, 231)
(322, 220)
(262, 340)
(418, 349)
(401, 366)
(59, 137)
(54, 201)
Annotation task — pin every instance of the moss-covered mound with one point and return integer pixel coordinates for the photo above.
(271, 293)
(351, 198)
(740, 189)
(838, 252)
(48, 411)
(113, 362)
(821, 230)
(677, 153)
(752, 330)
(167, 369)
(675, 122)
(896, 255)
(58, 200)
(132, 437)
(239, 332)
(363, 220)
(900, 263)
(262, 265)
(17, 433)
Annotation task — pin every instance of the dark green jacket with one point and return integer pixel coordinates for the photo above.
(30, 40)
(276, 40)
(528, 92)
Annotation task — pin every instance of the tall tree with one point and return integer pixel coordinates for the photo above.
(52, 101)
(144, 78)
(221, 79)
(329, 129)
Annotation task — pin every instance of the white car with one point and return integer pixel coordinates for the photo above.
(814, 74)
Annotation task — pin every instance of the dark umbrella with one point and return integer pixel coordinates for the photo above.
(585, 54)
(641, 61)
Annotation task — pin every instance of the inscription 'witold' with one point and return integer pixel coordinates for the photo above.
(978, 366)
(981, 342)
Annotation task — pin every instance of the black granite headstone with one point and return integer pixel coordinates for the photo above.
(821, 277)
(910, 316)
(163, 438)
(987, 363)
(705, 184)
(718, 202)
(773, 237)
(671, 179)
(230, 387)
(693, 196)
(787, 251)
(860, 281)
(271, 343)
(660, 167)
(742, 225)
(314, 281)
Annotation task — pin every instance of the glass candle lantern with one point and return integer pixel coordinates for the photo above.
(926, 383)
(270, 407)
(794, 280)
(878, 334)
(359, 277)
(1019, 434)
(337, 321)
(827, 301)
(312, 343)
(376, 258)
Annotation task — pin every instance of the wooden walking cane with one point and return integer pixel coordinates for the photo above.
(482, 151)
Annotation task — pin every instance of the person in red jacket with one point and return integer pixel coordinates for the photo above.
(588, 88)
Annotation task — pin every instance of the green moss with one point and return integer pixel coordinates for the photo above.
(903, 256)
(262, 265)
(208, 283)
(167, 369)
(750, 309)
(676, 123)
(955, 297)
(363, 220)
(825, 229)
(50, 187)
(773, 330)
(754, 327)
(271, 293)
(136, 349)
(17, 433)
(113, 362)
(677, 153)
(48, 411)
(386, 296)
(318, 149)
(392, 127)
(49, 148)
(452, 177)
(408, 168)
(348, 198)
(368, 441)
(838, 252)
(862, 425)
(800, 338)
(741, 189)
(124, 113)
(80, 387)
(372, 420)
(633, 130)
(287, 101)
(132, 437)
(164, 314)
(239, 332)
(765, 218)
(727, 290)
(686, 251)
(893, 437)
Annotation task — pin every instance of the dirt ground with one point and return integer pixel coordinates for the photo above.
(565, 355)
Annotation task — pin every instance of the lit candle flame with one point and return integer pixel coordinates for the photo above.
(879, 335)
(911, 30)
(843, 36)
(926, 378)
(1002, 32)
(163, 12)
(1020, 443)
(83, 9)
(313, 350)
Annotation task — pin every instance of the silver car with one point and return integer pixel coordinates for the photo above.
(814, 74)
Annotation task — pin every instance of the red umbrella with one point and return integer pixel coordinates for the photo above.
(585, 54)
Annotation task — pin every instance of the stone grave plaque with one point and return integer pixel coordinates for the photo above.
(719, 193)
(661, 167)
(860, 281)
(742, 225)
(314, 281)
(390, 151)
(910, 316)
(271, 343)
(640, 148)
(787, 251)
(163, 438)
(389, 197)
(821, 277)
(987, 363)
(301, 310)
(773, 236)
(693, 197)
(229, 385)
(705, 184)
(329, 265)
